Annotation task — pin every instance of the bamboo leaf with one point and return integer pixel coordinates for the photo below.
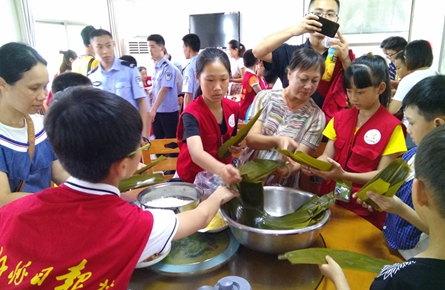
(223, 151)
(306, 159)
(386, 182)
(150, 165)
(137, 181)
(346, 259)
(257, 169)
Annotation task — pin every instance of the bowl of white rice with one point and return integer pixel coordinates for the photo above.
(176, 196)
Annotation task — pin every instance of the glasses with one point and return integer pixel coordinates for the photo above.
(328, 15)
(142, 148)
(392, 54)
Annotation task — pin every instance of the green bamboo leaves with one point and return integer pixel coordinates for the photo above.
(346, 259)
(306, 159)
(148, 166)
(311, 212)
(386, 182)
(257, 169)
(223, 151)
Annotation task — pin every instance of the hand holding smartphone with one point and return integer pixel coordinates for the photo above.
(329, 27)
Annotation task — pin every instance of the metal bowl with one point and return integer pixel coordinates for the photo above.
(189, 193)
(278, 201)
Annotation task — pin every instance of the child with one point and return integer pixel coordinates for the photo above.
(208, 121)
(425, 110)
(425, 271)
(365, 138)
(82, 231)
(400, 64)
(251, 82)
(69, 79)
(27, 161)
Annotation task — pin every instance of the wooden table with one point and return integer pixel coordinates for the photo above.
(345, 230)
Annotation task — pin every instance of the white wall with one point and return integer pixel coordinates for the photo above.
(137, 17)
(10, 27)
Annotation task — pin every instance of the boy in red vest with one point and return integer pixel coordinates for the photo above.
(82, 234)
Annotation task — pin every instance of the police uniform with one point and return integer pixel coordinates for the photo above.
(123, 79)
(190, 84)
(167, 115)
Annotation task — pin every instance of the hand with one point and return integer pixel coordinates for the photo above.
(333, 272)
(341, 45)
(283, 171)
(286, 143)
(308, 24)
(392, 205)
(235, 149)
(335, 173)
(229, 174)
(152, 115)
(306, 170)
(225, 194)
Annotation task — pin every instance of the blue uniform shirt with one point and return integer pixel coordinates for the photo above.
(190, 84)
(165, 76)
(123, 79)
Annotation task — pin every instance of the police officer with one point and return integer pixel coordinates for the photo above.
(191, 47)
(164, 112)
(118, 76)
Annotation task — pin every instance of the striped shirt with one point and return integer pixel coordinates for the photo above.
(305, 125)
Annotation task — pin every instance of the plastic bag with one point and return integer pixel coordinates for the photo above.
(207, 181)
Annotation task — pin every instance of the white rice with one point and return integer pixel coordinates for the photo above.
(167, 202)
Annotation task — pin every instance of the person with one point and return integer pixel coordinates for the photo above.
(68, 57)
(236, 52)
(425, 270)
(191, 46)
(208, 121)
(392, 46)
(130, 59)
(179, 79)
(251, 82)
(400, 65)
(164, 112)
(419, 58)
(117, 76)
(425, 110)
(364, 139)
(290, 119)
(97, 156)
(264, 85)
(86, 62)
(69, 79)
(23, 81)
(276, 54)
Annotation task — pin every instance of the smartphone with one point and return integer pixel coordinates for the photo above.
(329, 27)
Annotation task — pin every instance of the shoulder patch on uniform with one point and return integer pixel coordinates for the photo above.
(168, 76)
(93, 70)
(126, 63)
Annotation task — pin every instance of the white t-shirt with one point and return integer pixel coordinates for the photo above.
(408, 82)
(236, 65)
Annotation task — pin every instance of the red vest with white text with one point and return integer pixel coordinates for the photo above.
(248, 93)
(361, 152)
(65, 239)
(210, 135)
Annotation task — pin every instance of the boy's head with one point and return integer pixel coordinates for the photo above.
(429, 184)
(400, 64)
(85, 33)
(69, 79)
(425, 107)
(249, 59)
(91, 131)
(156, 44)
(103, 45)
(130, 59)
(192, 44)
(393, 45)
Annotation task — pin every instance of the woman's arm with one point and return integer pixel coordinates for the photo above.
(228, 173)
(6, 196)
(58, 173)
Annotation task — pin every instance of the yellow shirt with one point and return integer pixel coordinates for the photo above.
(396, 143)
(80, 65)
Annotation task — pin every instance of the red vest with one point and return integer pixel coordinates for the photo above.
(263, 83)
(334, 91)
(361, 152)
(248, 94)
(65, 237)
(210, 135)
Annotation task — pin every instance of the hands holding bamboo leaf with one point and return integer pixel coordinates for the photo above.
(229, 174)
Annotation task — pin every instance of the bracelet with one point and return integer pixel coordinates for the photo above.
(288, 170)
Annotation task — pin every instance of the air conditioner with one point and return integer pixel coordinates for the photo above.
(138, 48)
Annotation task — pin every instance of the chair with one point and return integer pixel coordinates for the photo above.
(309, 183)
(162, 147)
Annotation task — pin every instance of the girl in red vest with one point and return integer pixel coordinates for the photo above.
(363, 139)
(208, 121)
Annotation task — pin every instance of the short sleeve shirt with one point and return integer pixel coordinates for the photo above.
(123, 79)
(165, 76)
(190, 84)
